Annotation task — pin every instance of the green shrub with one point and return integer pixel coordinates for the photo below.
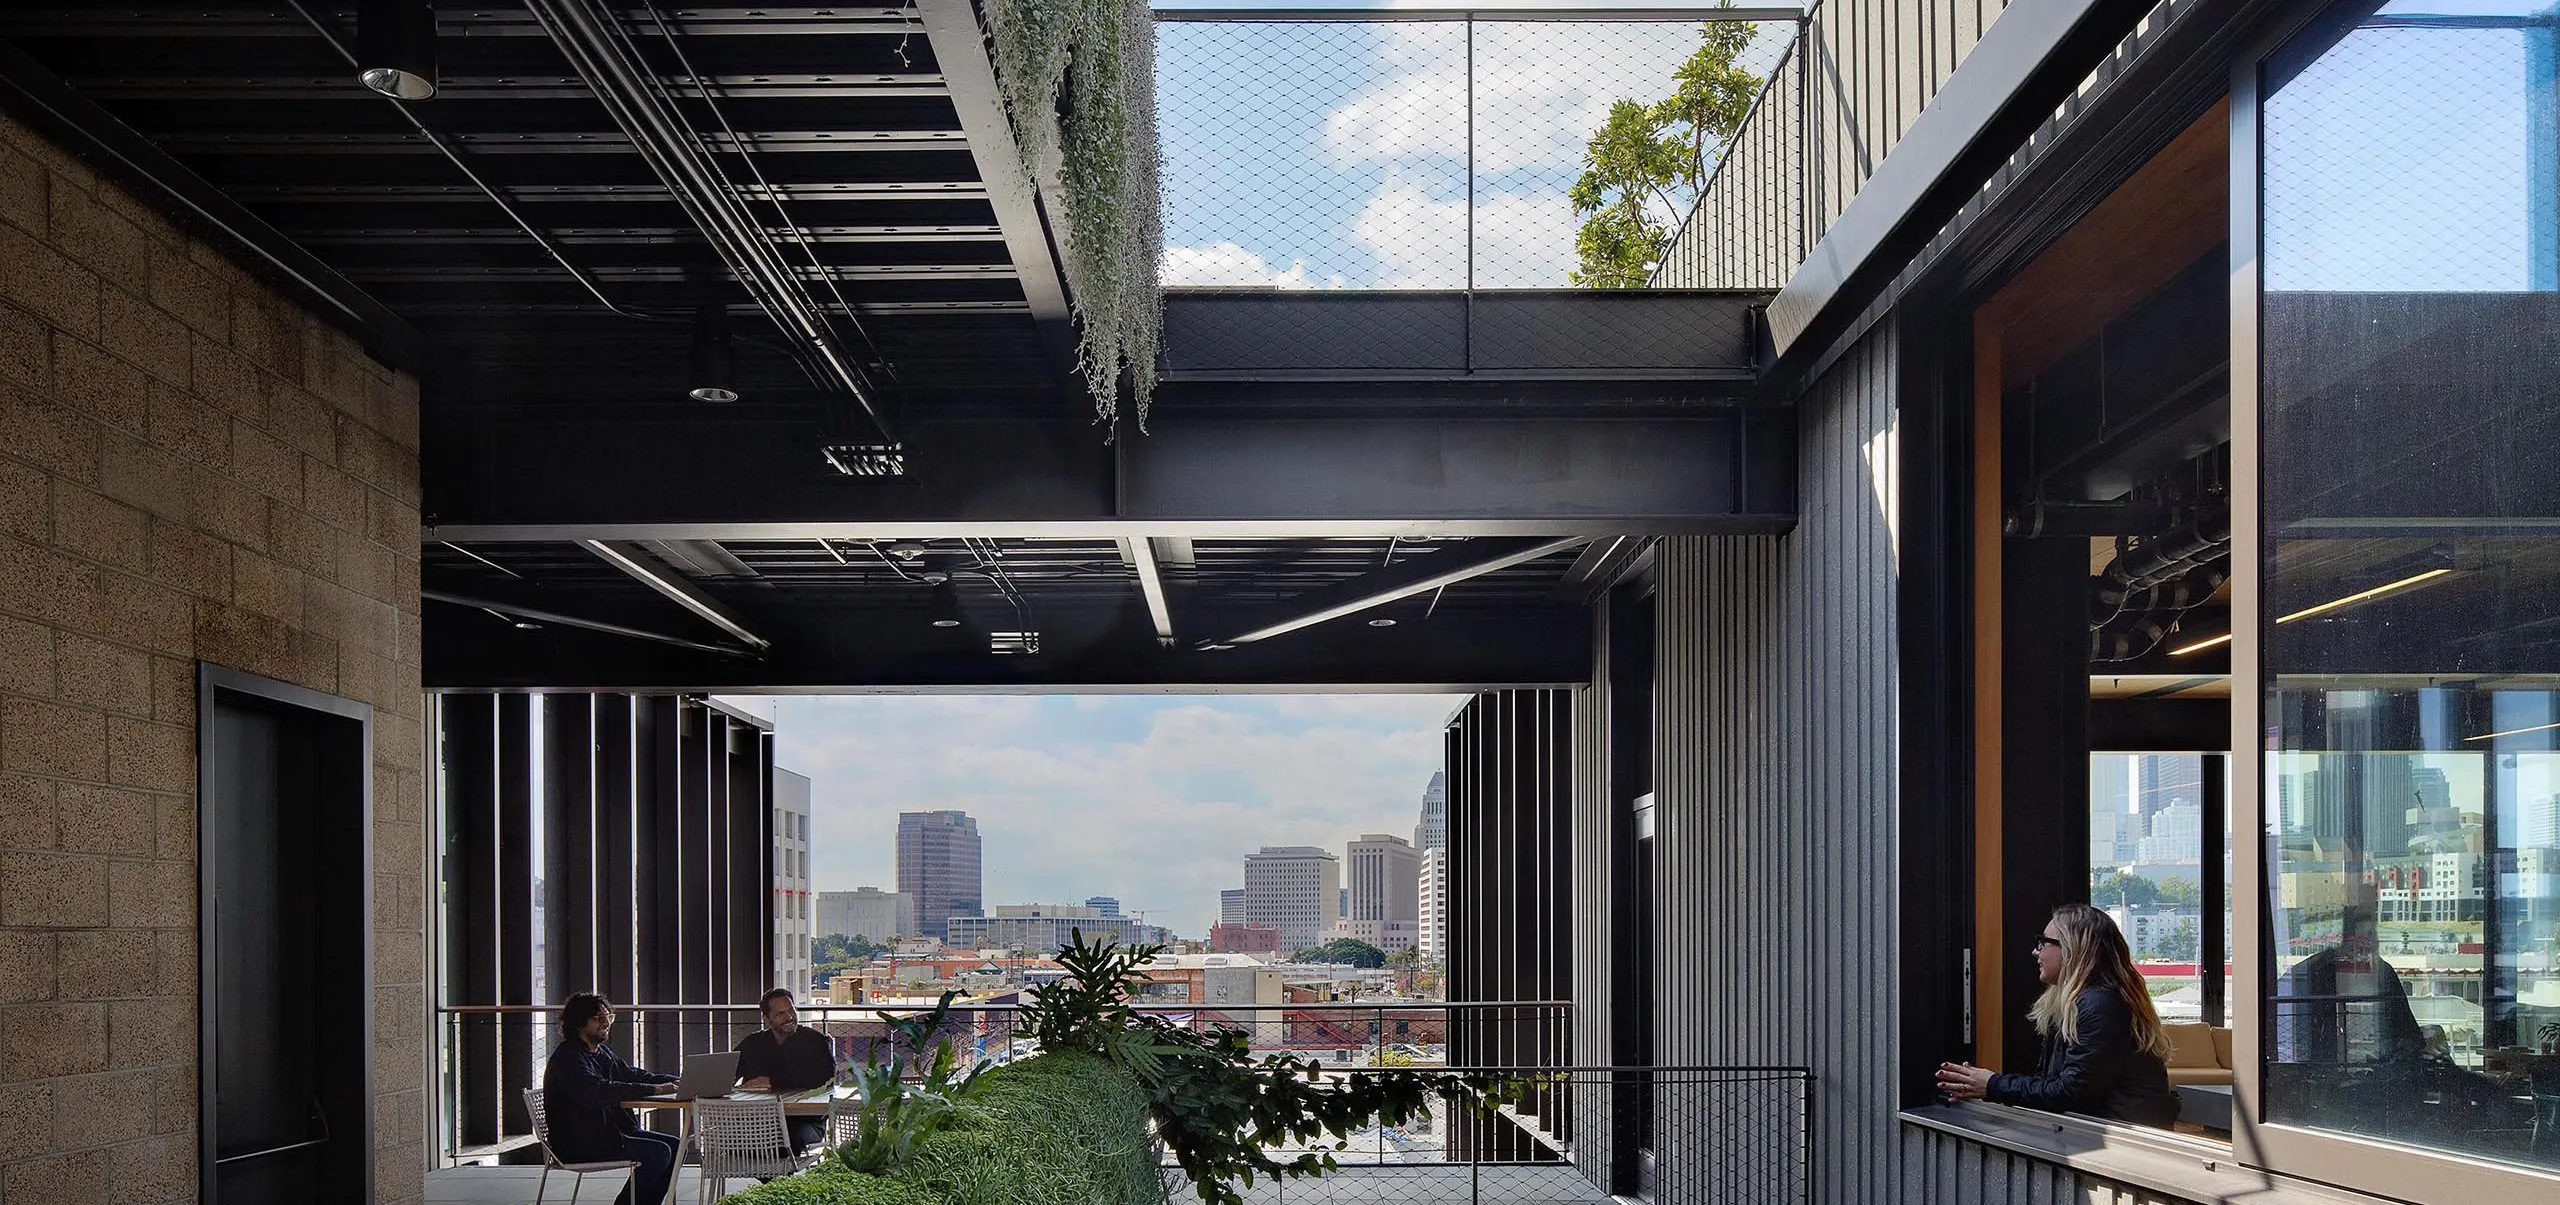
(837, 1187)
(1060, 1129)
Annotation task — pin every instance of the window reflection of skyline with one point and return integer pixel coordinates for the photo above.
(2410, 193)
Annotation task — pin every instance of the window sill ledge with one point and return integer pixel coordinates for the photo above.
(2192, 1169)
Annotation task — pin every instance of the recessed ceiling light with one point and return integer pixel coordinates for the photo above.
(1382, 622)
(946, 623)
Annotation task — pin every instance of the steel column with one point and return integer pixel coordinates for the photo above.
(516, 1033)
(471, 906)
(570, 818)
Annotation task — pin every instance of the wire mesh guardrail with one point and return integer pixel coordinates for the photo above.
(1580, 1135)
(1446, 150)
(1573, 1135)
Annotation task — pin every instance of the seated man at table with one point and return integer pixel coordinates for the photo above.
(785, 1056)
(583, 1088)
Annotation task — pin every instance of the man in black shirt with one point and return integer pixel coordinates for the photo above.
(786, 1057)
(583, 1088)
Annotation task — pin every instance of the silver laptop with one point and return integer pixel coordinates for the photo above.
(713, 1074)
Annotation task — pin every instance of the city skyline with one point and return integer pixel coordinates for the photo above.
(1152, 800)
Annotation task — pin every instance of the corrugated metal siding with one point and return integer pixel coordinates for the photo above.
(1944, 1169)
(1859, 75)
(1775, 792)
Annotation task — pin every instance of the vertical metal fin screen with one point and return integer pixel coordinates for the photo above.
(1510, 930)
(593, 842)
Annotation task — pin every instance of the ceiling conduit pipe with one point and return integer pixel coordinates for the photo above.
(329, 33)
(633, 98)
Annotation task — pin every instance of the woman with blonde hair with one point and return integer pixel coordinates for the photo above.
(2104, 1051)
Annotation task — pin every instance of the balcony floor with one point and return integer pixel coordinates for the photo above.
(1354, 1185)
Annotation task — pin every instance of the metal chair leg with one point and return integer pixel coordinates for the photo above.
(576, 1186)
(543, 1183)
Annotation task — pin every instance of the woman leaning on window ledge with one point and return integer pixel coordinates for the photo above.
(2104, 1051)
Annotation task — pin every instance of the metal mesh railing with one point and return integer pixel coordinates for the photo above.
(1675, 1134)
(487, 1054)
(1749, 228)
(1438, 151)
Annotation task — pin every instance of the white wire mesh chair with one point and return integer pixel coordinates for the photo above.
(741, 1139)
(551, 1161)
(844, 1121)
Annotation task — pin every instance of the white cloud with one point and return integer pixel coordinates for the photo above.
(1233, 265)
(1540, 90)
(1155, 801)
(1521, 240)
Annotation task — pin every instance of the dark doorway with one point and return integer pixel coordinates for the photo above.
(286, 810)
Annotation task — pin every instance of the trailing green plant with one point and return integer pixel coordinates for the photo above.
(1078, 78)
(1217, 1106)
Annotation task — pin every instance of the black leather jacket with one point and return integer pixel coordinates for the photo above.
(2103, 1074)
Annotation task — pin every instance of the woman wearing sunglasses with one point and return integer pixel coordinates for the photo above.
(2104, 1051)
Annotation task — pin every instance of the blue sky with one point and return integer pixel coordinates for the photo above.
(1322, 155)
(1152, 799)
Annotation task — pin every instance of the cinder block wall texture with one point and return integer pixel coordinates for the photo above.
(191, 467)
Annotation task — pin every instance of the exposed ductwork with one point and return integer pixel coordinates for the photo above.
(2154, 579)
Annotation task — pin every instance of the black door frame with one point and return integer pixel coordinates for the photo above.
(212, 683)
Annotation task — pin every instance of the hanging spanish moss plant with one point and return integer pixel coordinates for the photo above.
(1078, 78)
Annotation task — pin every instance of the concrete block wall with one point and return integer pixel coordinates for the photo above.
(191, 467)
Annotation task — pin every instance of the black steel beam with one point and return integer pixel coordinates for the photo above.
(201, 21)
(822, 649)
(517, 476)
(332, 88)
(959, 47)
(1695, 336)
(41, 98)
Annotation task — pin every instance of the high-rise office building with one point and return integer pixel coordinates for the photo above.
(1296, 889)
(2164, 778)
(2539, 826)
(1432, 901)
(938, 866)
(1433, 832)
(1381, 901)
(867, 912)
(1385, 879)
(2176, 835)
(1231, 906)
(2112, 831)
(791, 902)
(1103, 905)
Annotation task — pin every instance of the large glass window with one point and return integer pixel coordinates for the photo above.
(2410, 420)
(2149, 858)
